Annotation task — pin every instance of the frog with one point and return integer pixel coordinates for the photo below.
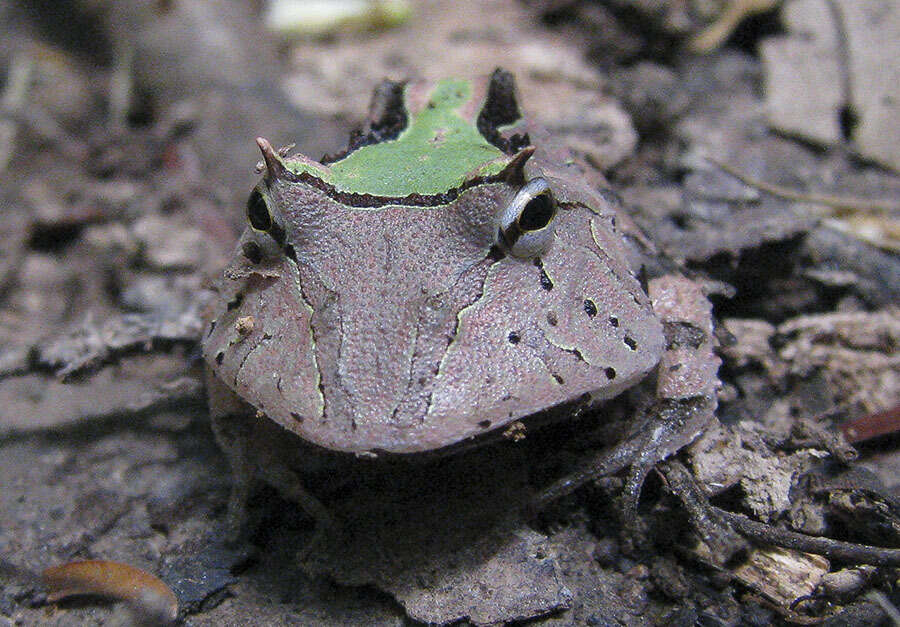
(448, 278)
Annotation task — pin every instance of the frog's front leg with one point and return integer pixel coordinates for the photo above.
(228, 430)
(233, 427)
(685, 404)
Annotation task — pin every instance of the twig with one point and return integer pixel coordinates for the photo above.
(839, 203)
(832, 549)
(716, 33)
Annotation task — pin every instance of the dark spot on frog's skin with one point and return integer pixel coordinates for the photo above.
(252, 252)
(552, 320)
(212, 327)
(613, 321)
(546, 283)
(297, 417)
(235, 303)
(559, 379)
(290, 252)
(453, 332)
(630, 343)
(590, 308)
(610, 373)
(485, 424)
(278, 386)
(577, 354)
(513, 337)
(352, 424)
(430, 104)
(220, 356)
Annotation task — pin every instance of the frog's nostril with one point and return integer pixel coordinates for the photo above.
(252, 251)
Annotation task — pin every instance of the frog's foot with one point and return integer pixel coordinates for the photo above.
(686, 398)
(672, 425)
(291, 487)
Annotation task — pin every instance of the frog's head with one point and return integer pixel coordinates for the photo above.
(441, 278)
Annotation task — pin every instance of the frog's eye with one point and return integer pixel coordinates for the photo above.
(526, 225)
(258, 212)
(266, 237)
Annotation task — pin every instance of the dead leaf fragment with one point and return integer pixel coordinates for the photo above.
(143, 591)
(782, 575)
(836, 75)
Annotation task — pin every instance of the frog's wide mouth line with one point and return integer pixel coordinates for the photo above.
(580, 406)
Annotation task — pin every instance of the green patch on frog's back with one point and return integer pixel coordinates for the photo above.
(438, 151)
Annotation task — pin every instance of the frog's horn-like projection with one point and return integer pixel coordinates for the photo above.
(274, 165)
(514, 172)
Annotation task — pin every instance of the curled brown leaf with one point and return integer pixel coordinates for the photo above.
(144, 592)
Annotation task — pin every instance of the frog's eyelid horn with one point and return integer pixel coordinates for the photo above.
(274, 166)
(514, 172)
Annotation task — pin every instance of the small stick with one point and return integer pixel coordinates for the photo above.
(832, 549)
(839, 203)
(716, 33)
